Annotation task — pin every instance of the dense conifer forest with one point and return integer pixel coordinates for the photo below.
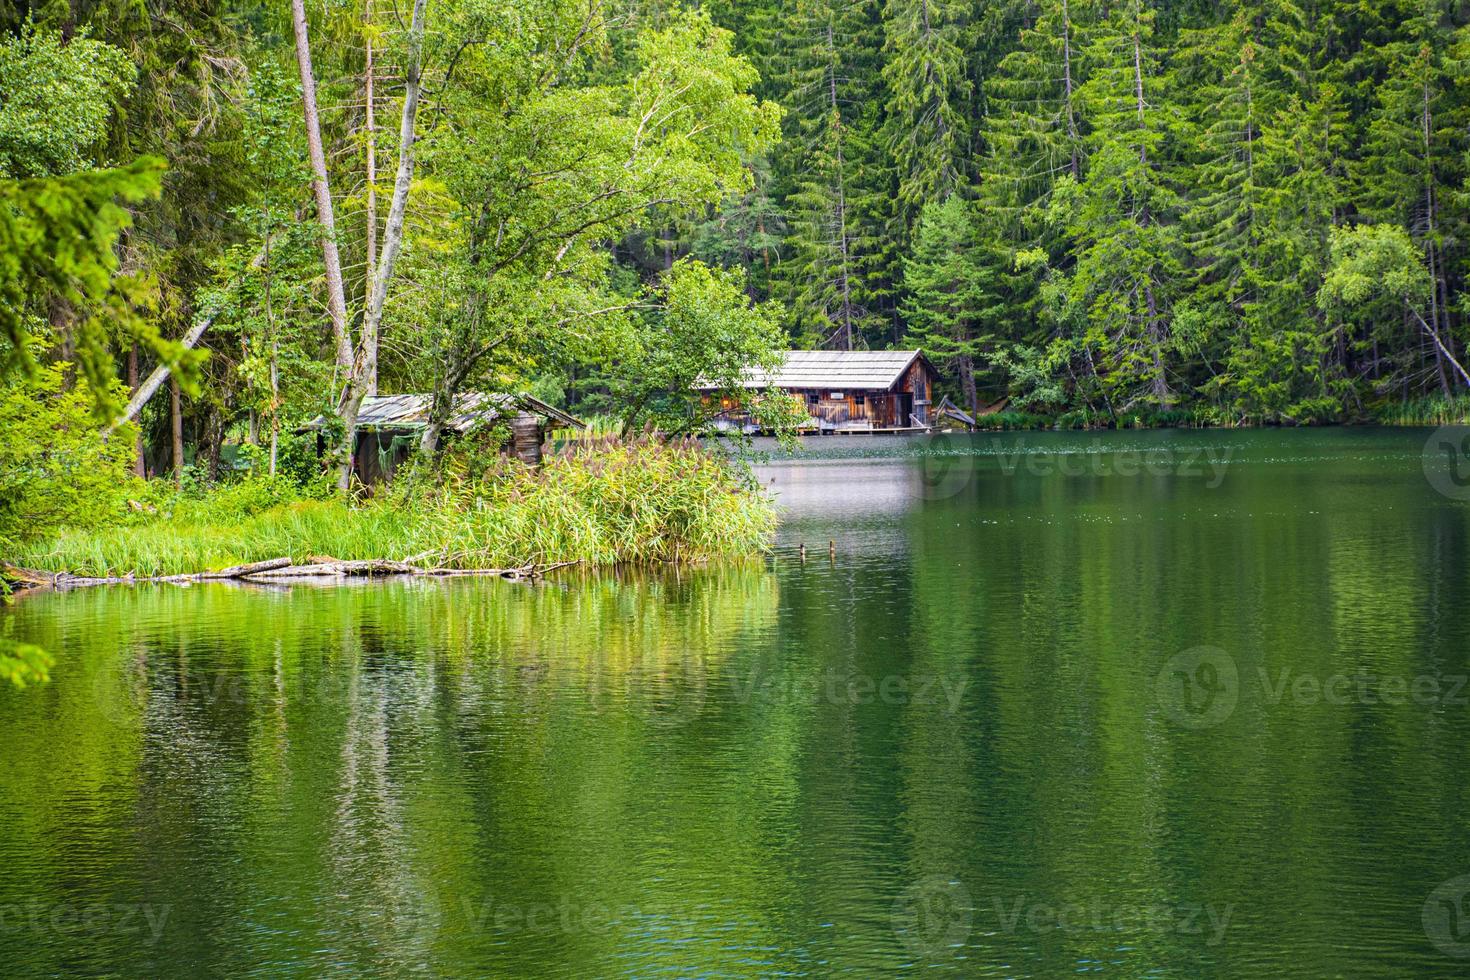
(1094, 212)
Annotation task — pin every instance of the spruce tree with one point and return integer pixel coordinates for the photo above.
(1121, 217)
(924, 73)
(831, 125)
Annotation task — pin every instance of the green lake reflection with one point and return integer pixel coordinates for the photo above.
(1137, 704)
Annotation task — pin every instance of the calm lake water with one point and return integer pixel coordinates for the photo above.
(1153, 704)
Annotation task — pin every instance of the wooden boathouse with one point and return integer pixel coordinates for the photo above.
(389, 427)
(845, 391)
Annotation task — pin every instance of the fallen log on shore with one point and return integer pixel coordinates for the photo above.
(274, 570)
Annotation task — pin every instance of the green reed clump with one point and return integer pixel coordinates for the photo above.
(598, 501)
(1430, 410)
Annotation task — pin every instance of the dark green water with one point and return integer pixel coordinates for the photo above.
(1159, 704)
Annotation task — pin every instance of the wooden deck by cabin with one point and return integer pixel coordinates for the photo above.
(846, 392)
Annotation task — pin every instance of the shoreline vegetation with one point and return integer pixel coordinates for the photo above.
(595, 502)
(1425, 411)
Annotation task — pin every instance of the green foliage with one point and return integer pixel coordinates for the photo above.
(56, 470)
(23, 663)
(704, 329)
(521, 278)
(924, 71)
(1375, 270)
(57, 236)
(55, 100)
(838, 196)
(962, 290)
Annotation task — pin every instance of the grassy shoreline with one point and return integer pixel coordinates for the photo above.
(602, 502)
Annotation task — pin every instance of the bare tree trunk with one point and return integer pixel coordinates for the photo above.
(1427, 129)
(177, 422)
(844, 284)
(275, 407)
(429, 441)
(1160, 384)
(1075, 140)
(139, 466)
(967, 382)
(162, 373)
(363, 377)
(336, 298)
(402, 182)
(214, 436)
(372, 161)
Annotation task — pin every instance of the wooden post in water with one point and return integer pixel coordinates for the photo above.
(525, 438)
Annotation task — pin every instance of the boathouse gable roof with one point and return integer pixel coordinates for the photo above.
(839, 370)
(470, 408)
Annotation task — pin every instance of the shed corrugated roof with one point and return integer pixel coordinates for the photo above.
(412, 411)
(861, 370)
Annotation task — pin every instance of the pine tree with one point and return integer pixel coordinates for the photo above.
(1254, 158)
(961, 291)
(832, 240)
(928, 91)
(1033, 130)
(1412, 154)
(1121, 217)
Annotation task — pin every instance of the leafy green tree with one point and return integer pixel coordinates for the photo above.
(1378, 276)
(57, 238)
(56, 469)
(703, 328)
(523, 282)
(56, 99)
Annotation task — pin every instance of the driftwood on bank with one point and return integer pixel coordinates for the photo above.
(275, 570)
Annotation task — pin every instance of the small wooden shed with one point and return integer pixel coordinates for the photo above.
(846, 391)
(389, 426)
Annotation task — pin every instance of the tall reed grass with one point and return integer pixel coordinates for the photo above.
(1430, 410)
(598, 501)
